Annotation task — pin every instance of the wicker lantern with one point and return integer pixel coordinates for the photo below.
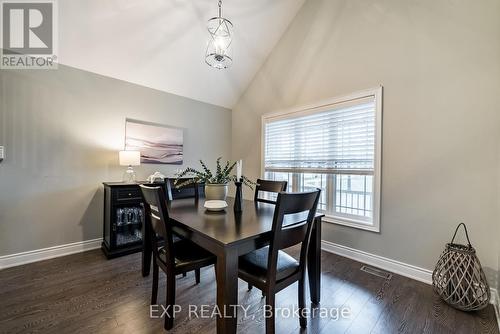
(459, 278)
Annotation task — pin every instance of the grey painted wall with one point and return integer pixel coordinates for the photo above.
(62, 131)
(439, 63)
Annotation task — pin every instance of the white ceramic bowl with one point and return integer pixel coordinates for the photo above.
(215, 205)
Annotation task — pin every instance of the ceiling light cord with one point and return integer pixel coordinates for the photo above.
(220, 8)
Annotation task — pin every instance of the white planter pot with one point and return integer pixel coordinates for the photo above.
(215, 191)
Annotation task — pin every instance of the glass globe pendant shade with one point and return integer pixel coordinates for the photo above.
(218, 52)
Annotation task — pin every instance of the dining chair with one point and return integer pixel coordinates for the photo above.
(269, 268)
(191, 190)
(173, 258)
(270, 187)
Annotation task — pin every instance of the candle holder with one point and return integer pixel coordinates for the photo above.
(238, 198)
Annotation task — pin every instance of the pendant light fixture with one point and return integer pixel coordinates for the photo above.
(218, 52)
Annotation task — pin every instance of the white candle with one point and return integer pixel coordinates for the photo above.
(239, 168)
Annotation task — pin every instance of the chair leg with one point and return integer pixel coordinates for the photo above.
(169, 317)
(270, 313)
(154, 290)
(302, 304)
(250, 286)
(197, 274)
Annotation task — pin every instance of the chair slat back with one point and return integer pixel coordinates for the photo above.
(192, 190)
(292, 224)
(293, 234)
(156, 215)
(268, 186)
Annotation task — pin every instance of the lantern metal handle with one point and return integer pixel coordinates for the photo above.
(466, 234)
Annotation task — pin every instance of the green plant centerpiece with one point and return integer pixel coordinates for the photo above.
(216, 184)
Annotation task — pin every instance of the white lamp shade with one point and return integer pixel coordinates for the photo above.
(130, 158)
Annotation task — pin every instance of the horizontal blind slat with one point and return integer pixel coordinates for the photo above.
(341, 138)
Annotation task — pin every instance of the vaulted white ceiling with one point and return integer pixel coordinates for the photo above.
(161, 43)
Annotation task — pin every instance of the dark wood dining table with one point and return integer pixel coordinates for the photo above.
(228, 235)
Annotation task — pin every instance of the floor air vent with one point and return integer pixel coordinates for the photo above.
(376, 272)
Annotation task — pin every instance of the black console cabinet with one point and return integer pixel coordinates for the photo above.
(124, 214)
(123, 219)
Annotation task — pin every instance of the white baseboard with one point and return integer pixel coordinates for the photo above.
(495, 300)
(400, 268)
(18, 259)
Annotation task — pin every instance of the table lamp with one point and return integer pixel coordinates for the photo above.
(129, 158)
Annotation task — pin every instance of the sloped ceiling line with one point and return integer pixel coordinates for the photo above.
(161, 43)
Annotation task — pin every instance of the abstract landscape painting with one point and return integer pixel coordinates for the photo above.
(158, 144)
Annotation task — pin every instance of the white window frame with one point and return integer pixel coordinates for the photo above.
(377, 174)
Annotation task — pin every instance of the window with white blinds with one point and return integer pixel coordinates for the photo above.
(334, 146)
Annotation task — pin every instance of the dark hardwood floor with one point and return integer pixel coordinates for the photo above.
(85, 293)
